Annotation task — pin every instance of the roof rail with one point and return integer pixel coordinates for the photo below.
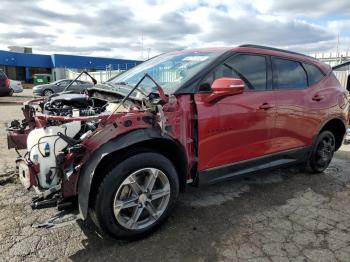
(275, 49)
(340, 65)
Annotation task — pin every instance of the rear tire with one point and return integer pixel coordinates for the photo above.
(11, 92)
(136, 196)
(322, 152)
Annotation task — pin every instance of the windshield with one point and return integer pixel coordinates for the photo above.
(169, 70)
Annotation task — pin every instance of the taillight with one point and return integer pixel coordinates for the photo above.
(7, 83)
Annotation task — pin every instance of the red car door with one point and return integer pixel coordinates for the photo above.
(237, 127)
(293, 121)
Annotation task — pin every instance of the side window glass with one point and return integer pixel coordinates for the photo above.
(63, 83)
(250, 68)
(314, 74)
(288, 74)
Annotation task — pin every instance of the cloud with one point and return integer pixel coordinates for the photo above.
(268, 32)
(121, 22)
(120, 28)
(311, 7)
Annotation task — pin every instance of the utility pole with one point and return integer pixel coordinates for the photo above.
(149, 50)
(338, 56)
(142, 45)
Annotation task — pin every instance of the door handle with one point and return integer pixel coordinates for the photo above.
(317, 98)
(266, 106)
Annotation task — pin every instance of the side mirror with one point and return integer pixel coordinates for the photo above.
(225, 86)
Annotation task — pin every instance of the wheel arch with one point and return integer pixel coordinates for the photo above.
(120, 148)
(47, 89)
(337, 127)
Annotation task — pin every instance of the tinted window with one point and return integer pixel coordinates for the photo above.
(288, 74)
(250, 68)
(313, 74)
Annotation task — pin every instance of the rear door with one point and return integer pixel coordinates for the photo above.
(291, 93)
(237, 127)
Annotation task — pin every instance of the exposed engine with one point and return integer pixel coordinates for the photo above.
(48, 144)
(63, 105)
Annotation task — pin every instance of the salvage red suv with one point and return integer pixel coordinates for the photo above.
(122, 152)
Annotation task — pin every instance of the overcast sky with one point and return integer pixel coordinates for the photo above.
(116, 28)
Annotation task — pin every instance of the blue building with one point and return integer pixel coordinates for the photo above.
(22, 66)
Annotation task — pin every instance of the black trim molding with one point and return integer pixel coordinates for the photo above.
(280, 159)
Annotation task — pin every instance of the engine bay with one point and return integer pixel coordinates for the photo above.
(57, 124)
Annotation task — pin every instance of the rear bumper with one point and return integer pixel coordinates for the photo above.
(17, 90)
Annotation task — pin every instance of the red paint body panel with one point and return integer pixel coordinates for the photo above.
(300, 117)
(234, 128)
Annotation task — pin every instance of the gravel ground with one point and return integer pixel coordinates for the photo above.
(285, 215)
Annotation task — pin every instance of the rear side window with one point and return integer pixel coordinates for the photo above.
(314, 74)
(250, 68)
(288, 74)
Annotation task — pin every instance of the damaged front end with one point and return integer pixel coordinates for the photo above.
(60, 133)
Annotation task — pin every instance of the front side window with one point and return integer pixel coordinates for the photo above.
(250, 68)
(288, 74)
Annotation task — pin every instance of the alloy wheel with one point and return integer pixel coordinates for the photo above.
(324, 152)
(141, 198)
(48, 92)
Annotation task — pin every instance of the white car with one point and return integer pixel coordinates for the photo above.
(347, 137)
(16, 86)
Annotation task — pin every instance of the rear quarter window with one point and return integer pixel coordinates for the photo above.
(313, 73)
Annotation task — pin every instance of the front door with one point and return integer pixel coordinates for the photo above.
(237, 127)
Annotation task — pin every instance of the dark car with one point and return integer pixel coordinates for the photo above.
(59, 85)
(5, 89)
(123, 152)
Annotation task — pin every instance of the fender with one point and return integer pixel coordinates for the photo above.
(342, 119)
(88, 169)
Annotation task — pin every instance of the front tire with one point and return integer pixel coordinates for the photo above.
(136, 197)
(48, 92)
(322, 152)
